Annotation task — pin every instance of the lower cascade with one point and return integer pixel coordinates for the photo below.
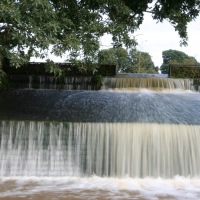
(137, 150)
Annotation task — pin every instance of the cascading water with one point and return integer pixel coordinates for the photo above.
(51, 82)
(129, 144)
(104, 149)
(152, 83)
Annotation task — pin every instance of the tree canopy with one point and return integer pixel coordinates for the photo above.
(141, 62)
(30, 28)
(117, 56)
(132, 61)
(175, 57)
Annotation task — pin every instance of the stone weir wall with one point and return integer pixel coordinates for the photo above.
(36, 76)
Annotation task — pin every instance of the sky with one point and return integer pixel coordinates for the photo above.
(155, 38)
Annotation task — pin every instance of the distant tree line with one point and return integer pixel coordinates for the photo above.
(132, 61)
(171, 57)
(135, 61)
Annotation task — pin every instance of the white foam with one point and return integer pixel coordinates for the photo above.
(177, 188)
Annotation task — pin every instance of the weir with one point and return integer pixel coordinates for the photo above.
(119, 134)
(119, 82)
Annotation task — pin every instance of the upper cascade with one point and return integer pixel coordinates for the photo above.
(151, 83)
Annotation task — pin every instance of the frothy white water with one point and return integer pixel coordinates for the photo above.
(100, 188)
(106, 149)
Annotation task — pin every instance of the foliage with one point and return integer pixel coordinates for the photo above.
(132, 61)
(141, 62)
(53, 68)
(107, 56)
(175, 57)
(3, 81)
(178, 71)
(30, 28)
(115, 56)
(97, 80)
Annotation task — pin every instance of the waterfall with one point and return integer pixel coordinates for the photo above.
(108, 83)
(152, 83)
(31, 148)
(137, 138)
(51, 82)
